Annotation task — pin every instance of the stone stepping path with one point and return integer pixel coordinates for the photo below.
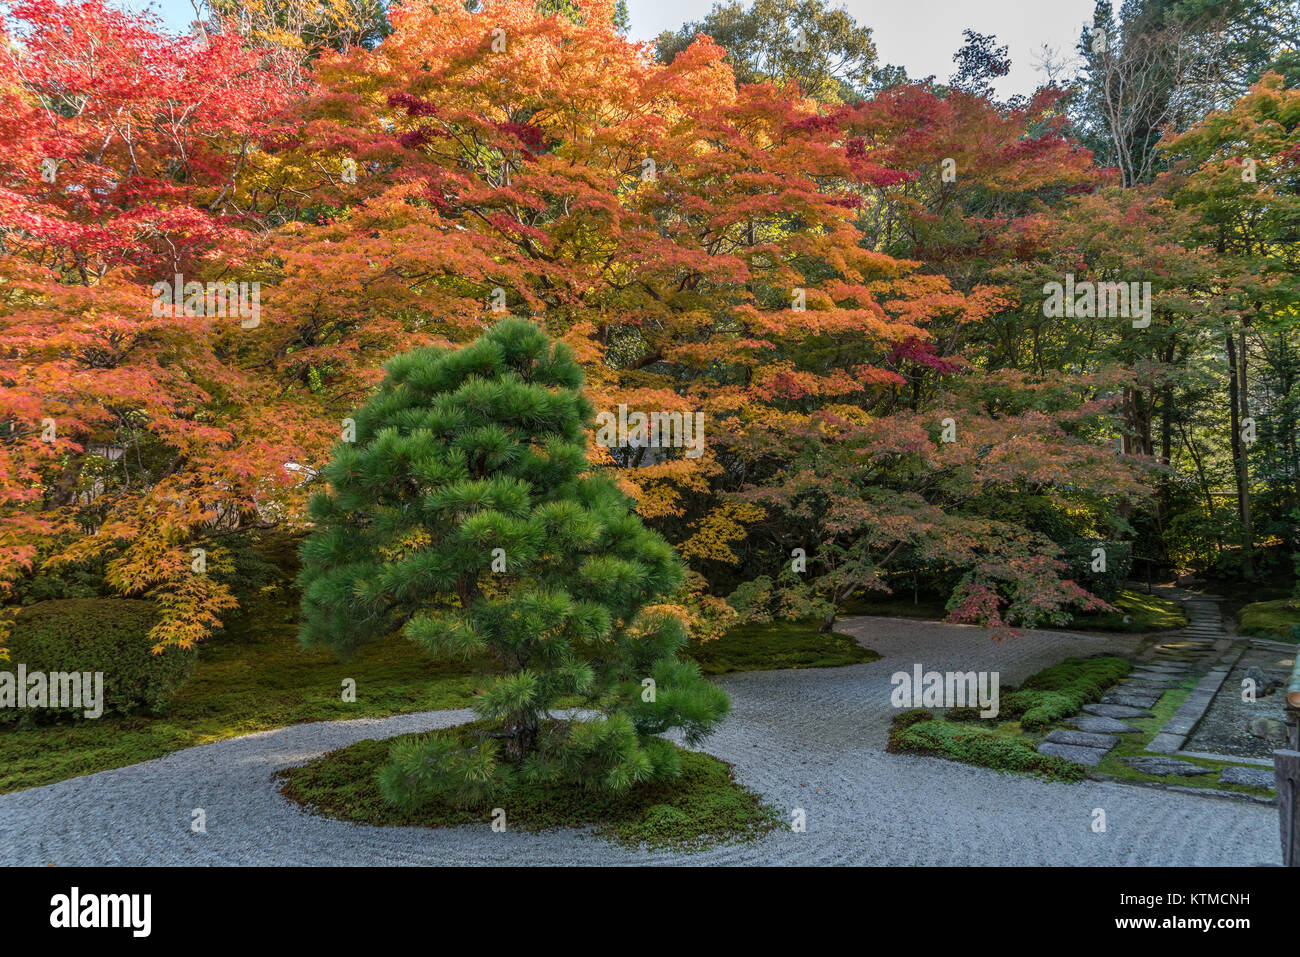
(1201, 649)
(1203, 643)
(1131, 699)
(1192, 650)
(1176, 731)
(1089, 757)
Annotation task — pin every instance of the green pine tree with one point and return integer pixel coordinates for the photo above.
(466, 513)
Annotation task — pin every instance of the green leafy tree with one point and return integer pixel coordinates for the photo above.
(466, 512)
(823, 49)
(979, 63)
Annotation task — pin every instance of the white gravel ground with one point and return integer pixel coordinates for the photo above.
(810, 739)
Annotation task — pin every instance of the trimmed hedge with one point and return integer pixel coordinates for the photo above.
(917, 732)
(108, 635)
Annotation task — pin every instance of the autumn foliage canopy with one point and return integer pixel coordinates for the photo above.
(803, 273)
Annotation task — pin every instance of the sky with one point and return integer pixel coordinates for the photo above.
(921, 35)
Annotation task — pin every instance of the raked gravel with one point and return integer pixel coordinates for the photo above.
(811, 739)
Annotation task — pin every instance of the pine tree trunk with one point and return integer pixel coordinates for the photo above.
(523, 738)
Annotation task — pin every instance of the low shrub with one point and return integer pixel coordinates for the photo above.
(1060, 691)
(82, 579)
(910, 717)
(108, 635)
(919, 732)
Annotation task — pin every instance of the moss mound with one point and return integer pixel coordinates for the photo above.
(701, 808)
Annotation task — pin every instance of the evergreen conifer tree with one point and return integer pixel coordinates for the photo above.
(466, 513)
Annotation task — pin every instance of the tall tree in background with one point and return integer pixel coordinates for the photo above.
(1243, 186)
(1161, 65)
(306, 27)
(803, 41)
(979, 63)
(1136, 68)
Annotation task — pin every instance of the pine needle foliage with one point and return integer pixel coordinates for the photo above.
(466, 513)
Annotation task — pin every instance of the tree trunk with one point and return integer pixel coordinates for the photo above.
(1236, 409)
(1247, 521)
(523, 738)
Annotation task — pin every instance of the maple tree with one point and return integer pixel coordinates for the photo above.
(696, 242)
(126, 433)
(826, 282)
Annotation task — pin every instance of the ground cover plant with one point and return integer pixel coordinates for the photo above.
(701, 807)
(1277, 619)
(1008, 742)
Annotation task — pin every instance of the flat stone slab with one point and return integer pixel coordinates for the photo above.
(1143, 687)
(1132, 700)
(1156, 677)
(1163, 767)
(1116, 710)
(1166, 743)
(1083, 739)
(1255, 777)
(1101, 725)
(1085, 756)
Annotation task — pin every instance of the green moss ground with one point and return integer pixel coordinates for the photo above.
(993, 746)
(1270, 619)
(778, 644)
(898, 606)
(1145, 613)
(253, 676)
(703, 807)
